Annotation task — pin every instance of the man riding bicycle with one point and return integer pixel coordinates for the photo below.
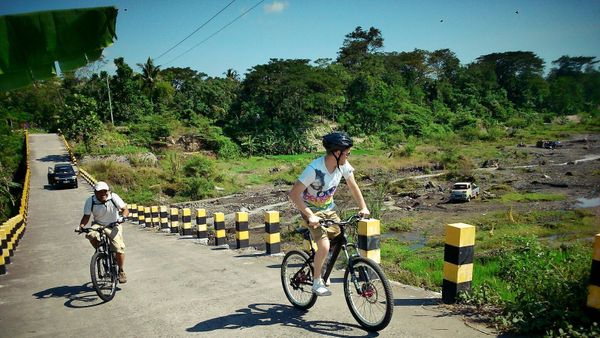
(313, 194)
(105, 207)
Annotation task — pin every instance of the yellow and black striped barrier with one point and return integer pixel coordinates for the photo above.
(147, 217)
(174, 217)
(272, 233)
(5, 253)
(14, 228)
(89, 178)
(155, 216)
(201, 227)
(141, 216)
(133, 213)
(593, 300)
(186, 220)
(242, 238)
(458, 260)
(220, 235)
(369, 239)
(164, 217)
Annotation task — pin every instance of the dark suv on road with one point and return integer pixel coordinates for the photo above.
(63, 174)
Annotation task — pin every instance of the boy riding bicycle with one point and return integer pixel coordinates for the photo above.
(313, 194)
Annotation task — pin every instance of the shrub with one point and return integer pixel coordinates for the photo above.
(550, 286)
(198, 187)
(199, 166)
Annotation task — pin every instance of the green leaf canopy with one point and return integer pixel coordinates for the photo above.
(31, 43)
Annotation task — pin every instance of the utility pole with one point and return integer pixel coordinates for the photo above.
(109, 102)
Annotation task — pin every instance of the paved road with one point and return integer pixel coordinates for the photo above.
(176, 287)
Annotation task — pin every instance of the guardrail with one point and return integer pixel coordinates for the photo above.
(13, 229)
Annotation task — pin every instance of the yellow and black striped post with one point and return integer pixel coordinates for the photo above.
(593, 299)
(186, 220)
(174, 220)
(141, 217)
(155, 216)
(272, 233)
(220, 235)
(164, 217)
(147, 217)
(4, 256)
(133, 213)
(458, 260)
(201, 228)
(242, 238)
(369, 239)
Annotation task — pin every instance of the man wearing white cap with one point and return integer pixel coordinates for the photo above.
(105, 207)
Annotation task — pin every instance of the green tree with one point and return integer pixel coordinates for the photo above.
(150, 74)
(79, 119)
(519, 74)
(277, 104)
(129, 104)
(358, 45)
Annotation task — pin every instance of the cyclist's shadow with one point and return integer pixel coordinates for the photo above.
(78, 296)
(276, 314)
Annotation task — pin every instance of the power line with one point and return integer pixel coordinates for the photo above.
(215, 33)
(194, 32)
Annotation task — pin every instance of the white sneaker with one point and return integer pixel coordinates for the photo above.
(328, 282)
(319, 288)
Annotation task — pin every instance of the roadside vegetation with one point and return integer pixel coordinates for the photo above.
(177, 135)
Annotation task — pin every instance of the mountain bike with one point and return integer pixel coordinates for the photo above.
(103, 267)
(367, 290)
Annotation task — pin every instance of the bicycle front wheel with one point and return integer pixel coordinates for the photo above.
(103, 277)
(296, 278)
(368, 294)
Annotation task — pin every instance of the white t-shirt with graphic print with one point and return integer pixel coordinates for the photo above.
(321, 184)
(104, 213)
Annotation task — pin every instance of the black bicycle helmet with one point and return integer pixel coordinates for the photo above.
(337, 140)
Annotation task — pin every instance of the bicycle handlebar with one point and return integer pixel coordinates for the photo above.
(102, 227)
(329, 222)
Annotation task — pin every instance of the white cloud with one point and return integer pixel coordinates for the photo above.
(276, 6)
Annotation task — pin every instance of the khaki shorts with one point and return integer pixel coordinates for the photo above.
(114, 234)
(321, 231)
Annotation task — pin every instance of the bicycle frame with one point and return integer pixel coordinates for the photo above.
(338, 244)
(105, 247)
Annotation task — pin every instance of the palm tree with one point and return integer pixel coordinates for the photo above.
(150, 74)
(231, 74)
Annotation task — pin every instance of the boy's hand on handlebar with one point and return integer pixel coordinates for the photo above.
(313, 221)
(365, 213)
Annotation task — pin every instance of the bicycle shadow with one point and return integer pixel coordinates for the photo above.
(264, 314)
(78, 296)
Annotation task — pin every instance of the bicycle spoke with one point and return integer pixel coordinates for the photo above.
(296, 278)
(368, 294)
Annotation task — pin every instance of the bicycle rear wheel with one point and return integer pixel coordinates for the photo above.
(103, 277)
(296, 278)
(368, 294)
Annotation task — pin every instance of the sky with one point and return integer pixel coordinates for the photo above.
(313, 29)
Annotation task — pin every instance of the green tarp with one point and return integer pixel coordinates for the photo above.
(31, 43)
